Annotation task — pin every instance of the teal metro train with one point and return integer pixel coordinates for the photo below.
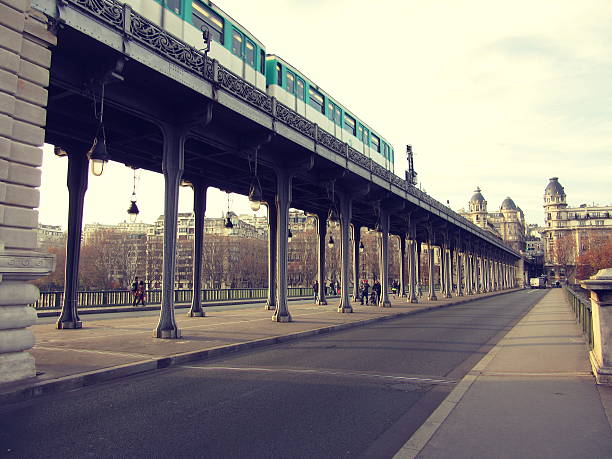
(238, 50)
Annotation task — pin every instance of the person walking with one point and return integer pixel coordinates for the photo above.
(365, 292)
(315, 290)
(376, 289)
(141, 292)
(134, 290)
(332, 288)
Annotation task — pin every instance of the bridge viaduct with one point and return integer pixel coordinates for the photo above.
(72, 71)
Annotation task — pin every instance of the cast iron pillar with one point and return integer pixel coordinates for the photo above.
(172, 168)
(321, 234)
(345, 222)
(459, 263)
(402, 265)
(272, 224)
(468, 272)
(356, 260)
(77, 186)
(448, 267)
(430, 259)
(199, 212)
(412, 264)
(419, 289)
(384, 258)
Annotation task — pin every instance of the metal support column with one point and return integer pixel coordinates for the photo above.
(172, 168)
(384, 260)
(199, 211)
(430, 258)
(321, 234)
(345, 222)
(272, 217)
(356, 260)
(77, 186)
(402, 265)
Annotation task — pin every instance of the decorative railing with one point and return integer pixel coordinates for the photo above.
(582, 310)
(135, 27)
(110, 298)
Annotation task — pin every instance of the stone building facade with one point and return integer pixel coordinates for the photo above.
(569, 231)
(508, 224)
(24, 76)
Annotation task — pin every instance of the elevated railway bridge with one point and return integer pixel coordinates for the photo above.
(169, 108)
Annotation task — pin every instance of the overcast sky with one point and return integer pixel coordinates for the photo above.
(490, 93)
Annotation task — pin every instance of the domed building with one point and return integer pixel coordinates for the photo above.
(569, 231)
(508, 224)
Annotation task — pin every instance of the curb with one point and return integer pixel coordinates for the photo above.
(72, 382)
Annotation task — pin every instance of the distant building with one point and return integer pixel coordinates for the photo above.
(569, 231)
(508, 224)
(50, 236)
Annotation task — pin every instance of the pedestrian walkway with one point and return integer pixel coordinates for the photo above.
(111, 348)
(532, 396)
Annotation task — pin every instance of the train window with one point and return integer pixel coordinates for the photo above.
(333, 112)
(316, 100)
(262, 61)
(279, 74)
(174, 5)
(237, 40)
(349, 124)
(363, 134)
(250, 53)
(376, 142)
(300, 88)
(204, 16)
(290, 82)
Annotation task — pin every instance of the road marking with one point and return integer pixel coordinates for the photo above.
(539, 374)
(89, 351)
(325, 372)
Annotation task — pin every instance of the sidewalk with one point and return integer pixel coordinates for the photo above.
(532, 396)
(112, 348)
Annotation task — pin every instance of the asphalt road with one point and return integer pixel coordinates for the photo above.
(360, 392)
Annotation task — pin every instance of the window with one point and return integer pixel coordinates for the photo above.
(316, 100)
(174, 5)
(349, 124)
(333, 112)
(290, 82)
(279, 74)
(301, 90)
(363, 134)
(599, 223)
(262, 62)
(376, 143)
(237, 40)
(204, 16)
(250, 53)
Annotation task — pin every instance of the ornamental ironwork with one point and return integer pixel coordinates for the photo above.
(110, 11)
(297, 122)
(380, 171)
(359, 158)
(237, 86)
(330, 141)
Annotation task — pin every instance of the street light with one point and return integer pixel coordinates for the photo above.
(228, 225)
(289, 235)
(330, 243)
(361, 247)
(98, 154)
(133, 209)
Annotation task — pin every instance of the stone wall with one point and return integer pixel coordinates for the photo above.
(25, 59)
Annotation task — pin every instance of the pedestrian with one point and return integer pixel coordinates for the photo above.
(332, 288)
(365, 292)
(376, 289)
(395, 288)
(141, 293)
(315, 290)
(134, 290)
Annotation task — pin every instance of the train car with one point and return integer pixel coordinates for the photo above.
(299, 93)
(232, 45)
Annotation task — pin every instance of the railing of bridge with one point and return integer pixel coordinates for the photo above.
(582, 310)
(110, 298)
(133, 26)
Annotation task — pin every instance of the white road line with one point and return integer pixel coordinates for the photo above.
(325, 372)
(89, 351)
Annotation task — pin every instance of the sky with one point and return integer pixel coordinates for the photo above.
(489, 93)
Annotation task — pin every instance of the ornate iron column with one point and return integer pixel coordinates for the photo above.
(459, 256)
(77, 186)
(345, 222)
(272, 224)
(402, 265)
(283, 201)
(199, 212)
(356, 260)
(384, 259)
(447, 273)
(412, 264)
(321, 234)
(172, 168)
(430, 258)
(419, 289)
